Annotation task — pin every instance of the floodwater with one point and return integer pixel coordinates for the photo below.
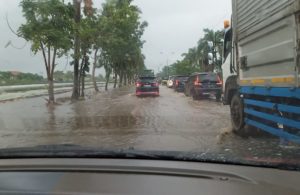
(117, 119)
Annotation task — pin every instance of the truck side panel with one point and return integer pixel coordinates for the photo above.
(252, 16)
(265, 31)
(267, 48)
(270, 53)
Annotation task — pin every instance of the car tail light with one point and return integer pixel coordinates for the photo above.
(155, 84)
(138, 84)
(220, 82)
(197, 82)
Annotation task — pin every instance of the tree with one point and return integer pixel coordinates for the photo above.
(205, 57)
(48, 27)
(88, 11)
(86, 35)
(105, 63)
(215, 38)
(58, 76)
(121, 32)
(14, 77)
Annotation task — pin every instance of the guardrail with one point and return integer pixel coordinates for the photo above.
(14, 88)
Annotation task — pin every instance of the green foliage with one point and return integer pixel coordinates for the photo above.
(205, 57)
(100, 77)
(49, 28)
(18, 78)
(48, 22)
(60, 76)
(121, 32)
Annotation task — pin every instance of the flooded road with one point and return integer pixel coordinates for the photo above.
(119, 120)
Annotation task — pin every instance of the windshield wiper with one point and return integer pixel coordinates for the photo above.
(76, 151)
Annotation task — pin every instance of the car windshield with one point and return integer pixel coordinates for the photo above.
(205, 81)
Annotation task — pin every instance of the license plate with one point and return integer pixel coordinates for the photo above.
(147, 85)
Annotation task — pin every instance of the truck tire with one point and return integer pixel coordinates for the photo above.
(237, 115)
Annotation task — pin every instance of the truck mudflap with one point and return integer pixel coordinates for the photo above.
(274, 110)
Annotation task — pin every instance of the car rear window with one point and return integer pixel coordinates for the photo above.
(147, 79)
(208, 77)
(183, 78)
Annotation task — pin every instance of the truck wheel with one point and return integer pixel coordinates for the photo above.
(237, 114)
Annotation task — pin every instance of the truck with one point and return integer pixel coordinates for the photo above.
(147, 72)
(261, 63)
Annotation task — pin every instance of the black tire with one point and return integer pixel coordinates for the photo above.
(237, 115)
(218, 97)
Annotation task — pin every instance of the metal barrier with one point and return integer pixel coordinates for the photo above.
(279, 119)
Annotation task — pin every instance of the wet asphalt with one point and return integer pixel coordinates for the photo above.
(117, 119)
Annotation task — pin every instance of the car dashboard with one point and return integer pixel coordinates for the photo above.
(121, 176)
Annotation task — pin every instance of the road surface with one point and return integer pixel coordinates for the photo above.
(119, 120)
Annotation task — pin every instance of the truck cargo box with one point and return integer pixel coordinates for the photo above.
(267, 41)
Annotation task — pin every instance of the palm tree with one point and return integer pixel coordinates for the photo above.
(191, 57)
(204, 49)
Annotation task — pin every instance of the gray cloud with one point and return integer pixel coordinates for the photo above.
(174, 26)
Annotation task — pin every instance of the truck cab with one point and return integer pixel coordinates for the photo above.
(228, 69)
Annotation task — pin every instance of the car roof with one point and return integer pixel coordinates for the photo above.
(181, 76)
(198, 73)
(147, 77)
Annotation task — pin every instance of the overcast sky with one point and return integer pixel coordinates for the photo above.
(174, 27)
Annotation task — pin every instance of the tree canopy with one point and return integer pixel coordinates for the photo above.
(205, 56)
(49, 27)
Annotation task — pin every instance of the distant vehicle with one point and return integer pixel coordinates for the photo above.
(179, 83)
(147, 73)
(164, 81)
(147, 85)
(203, 84)
(170, 81)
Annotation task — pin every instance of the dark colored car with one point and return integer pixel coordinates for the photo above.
(202, 84)
(179, 83)
(147, 86)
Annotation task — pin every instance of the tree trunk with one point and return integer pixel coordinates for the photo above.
(116, 79)
(106, 84)
(81, 75)
(50, 70)
(51, 91)
(107, 76)
(77, 8)
(82, 85)
(121, 79)
(79, 83)
(125, 79)
(94, 70)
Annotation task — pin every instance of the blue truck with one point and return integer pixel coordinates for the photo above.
(261, 67)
